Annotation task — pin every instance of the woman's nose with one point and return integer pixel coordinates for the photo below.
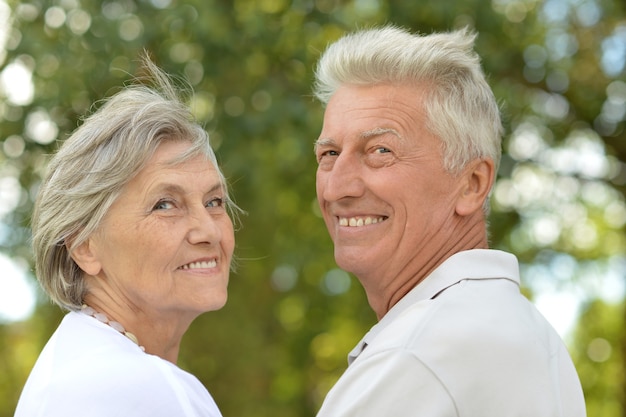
(203, 228)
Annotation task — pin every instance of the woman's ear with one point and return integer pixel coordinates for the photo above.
(478, 178)
(86, 257)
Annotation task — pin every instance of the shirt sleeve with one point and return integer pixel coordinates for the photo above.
(391, 383)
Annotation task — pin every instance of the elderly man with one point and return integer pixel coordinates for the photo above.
(407, 157)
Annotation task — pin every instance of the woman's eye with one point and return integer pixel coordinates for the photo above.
(216, 202)
(163, 205)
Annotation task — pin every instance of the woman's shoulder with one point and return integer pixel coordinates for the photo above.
(102, 355)
(86, 366)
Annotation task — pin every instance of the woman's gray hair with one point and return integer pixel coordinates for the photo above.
(94, 164)
(460, 106)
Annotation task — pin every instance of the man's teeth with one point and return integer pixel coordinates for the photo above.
(359, 221)
(200, 265)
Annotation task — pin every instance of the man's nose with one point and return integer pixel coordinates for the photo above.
(343, 179)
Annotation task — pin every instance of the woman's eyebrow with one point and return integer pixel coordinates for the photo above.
(179, 189)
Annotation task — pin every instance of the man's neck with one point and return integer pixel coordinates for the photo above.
(382, 299)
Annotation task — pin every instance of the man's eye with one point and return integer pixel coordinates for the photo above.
(382, 150)
(323, 154)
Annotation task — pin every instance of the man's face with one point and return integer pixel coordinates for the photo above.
(383, 191)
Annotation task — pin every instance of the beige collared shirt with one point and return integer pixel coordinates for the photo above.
(464, 342)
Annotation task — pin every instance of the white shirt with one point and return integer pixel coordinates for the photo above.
(463, 343)
(89, 369)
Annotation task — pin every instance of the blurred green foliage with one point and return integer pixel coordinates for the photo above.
(600, 357)
(557, 66)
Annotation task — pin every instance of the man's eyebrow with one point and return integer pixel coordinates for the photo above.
(323, 142)
(378, 131)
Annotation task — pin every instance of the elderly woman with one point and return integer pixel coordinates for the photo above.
(132, 233)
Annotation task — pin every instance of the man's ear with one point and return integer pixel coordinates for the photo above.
(86, 257)
(478, 178)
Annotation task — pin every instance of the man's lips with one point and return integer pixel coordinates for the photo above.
(359, 221)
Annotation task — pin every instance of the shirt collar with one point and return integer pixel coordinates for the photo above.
(466, 265)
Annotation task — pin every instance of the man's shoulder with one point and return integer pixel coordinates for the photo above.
(471, 313)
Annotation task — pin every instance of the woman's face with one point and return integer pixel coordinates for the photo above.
(166, 244)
